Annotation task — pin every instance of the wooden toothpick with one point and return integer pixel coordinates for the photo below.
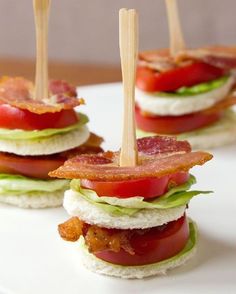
(128, 20)
(177, 43)
(41, 13)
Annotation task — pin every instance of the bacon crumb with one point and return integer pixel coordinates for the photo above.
(96, 238)
(71, 230)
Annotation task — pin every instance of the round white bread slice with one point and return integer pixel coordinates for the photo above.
(210, 140)
(34, 200)
(219, 134)
(91, 214)
(46, 146)
(139, 272)
(159, 105)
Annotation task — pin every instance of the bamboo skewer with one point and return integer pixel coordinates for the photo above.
(177, 42)
(41, 14)
(128, 21)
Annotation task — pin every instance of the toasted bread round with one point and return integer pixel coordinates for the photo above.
(91, 214)
(46, 146)
(210, 140)
(139, 272)
(34, 200)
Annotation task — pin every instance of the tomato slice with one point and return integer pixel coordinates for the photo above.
(170, 125)
(151, 245)
(199, 72)
(30, 166)
(147, 188)
(15, 118)
(40, 166)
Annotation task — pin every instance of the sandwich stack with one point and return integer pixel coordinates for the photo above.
(39, 130)
(128, 208)
(187, 93)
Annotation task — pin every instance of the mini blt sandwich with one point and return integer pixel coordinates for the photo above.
(128, 208)
(188, 93)
(39, 130)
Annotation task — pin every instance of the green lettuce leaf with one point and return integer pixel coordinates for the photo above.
(191, 244)
(18, 185)
(18, 134)
(197, 89)
(176, 196)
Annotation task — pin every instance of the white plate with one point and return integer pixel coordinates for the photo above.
(34, 260)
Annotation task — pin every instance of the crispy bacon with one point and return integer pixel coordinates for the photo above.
(161, 55)
(105, 166)
(159, 145)
(219, 56)
(159, 60)
(88, 159)
(97, 239)
(148, 167)
(18, 92)
(72, 229)
(156, 145)
(62, 87)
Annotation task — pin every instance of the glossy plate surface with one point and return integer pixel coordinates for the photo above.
(33, 259)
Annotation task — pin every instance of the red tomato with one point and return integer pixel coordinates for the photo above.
(175, 124)
(15, 118)
(199, 72)
(30, 166)
(147, 188)
(151, 245)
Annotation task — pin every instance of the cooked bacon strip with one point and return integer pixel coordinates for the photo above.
(219, 56)
(62, 87)
(154, 166)
(97, 239)
(91, 160)
(155, 160)
(18, 92)
(159, 60)
(161, 55)
(156, 145)
(160, 145)
(146, 146)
